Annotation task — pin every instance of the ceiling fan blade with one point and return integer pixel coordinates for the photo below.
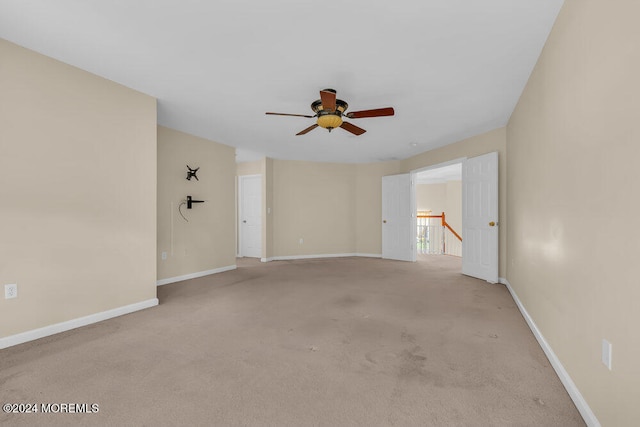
(378, 112)
(294, 115)
(328, 100)
(310, 128)
(352, 128)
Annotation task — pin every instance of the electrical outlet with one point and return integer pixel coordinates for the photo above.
(301, 240)
(11, 291)
(606, 353)
(164, 256)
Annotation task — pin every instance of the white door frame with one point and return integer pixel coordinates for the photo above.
(239, 219)
(413, 178)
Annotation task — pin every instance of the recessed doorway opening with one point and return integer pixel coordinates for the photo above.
(439, 210)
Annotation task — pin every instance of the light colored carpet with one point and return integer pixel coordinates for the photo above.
(330, 342)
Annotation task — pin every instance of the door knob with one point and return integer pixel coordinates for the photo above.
(245, 221)
(384, 221)
(492, 224)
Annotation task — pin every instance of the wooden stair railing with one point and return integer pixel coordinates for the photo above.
(444, 223)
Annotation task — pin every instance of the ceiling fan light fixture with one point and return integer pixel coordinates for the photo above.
(329, 111)
(330, 120)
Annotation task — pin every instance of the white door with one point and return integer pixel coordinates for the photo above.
(250, 215)
(480, 217)
(398, 232)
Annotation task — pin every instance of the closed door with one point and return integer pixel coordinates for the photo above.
(250, 217)
(480, 217)
(397, 218)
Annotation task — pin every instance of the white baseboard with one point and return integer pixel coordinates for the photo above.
(194, 275)
(369, 255)
(292, 257)
(74, 323)
(314, 256)
(584, 409)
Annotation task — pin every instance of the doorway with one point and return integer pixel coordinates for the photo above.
(479, 222)
(250, 216)
(439, 210)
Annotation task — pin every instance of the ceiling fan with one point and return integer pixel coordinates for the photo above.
(330, 112)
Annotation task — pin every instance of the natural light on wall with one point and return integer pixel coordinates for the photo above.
(548, 243)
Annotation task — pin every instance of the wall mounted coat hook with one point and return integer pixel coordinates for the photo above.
(191, 173)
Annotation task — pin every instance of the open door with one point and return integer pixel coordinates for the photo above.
(398, 231)
(480, 217)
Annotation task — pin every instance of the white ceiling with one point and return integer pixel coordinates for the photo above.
(450, 68)
(440, 175)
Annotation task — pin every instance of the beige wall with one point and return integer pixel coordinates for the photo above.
(314, 202)
(495, 140)
(207, 241)
(249, 168)
(368, 205)
(431, 197)
(334, 208)
(77, 192)
(574, 144)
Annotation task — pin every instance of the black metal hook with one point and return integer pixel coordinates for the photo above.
(190, 202)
